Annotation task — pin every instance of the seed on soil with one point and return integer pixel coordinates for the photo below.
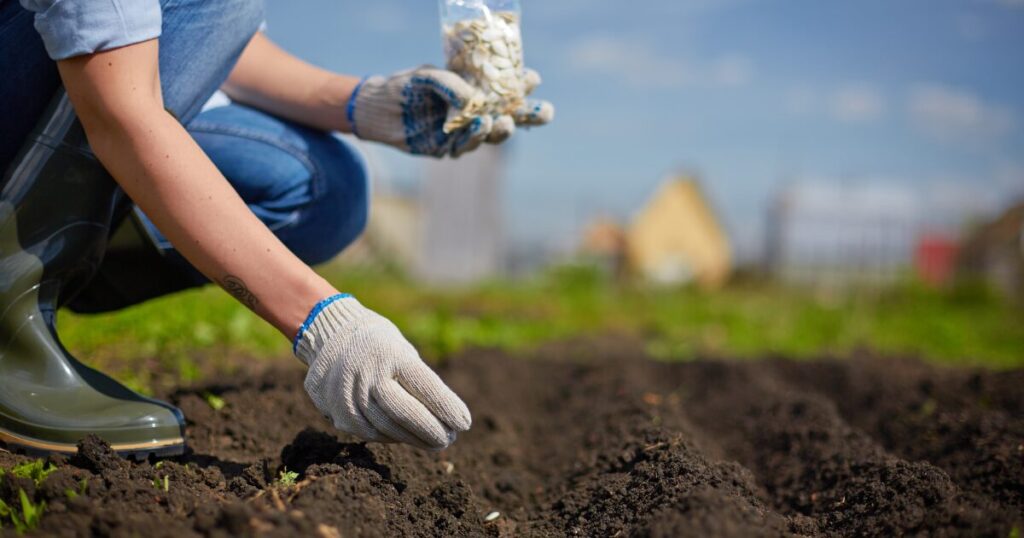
(326, 531)
(492, 516)
(448, 467)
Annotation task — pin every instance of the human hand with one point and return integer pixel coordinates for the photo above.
(370, 382)
(431, 111)
(532, 113)
(409, 110)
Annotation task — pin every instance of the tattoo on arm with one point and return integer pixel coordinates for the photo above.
(237, 288)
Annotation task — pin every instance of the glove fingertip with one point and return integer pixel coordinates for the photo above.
(456, 414)
(535, 113)
(472, 136)
(504, 128)
(531, 79)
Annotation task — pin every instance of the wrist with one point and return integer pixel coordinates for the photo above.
(328, 317)
(350, 108)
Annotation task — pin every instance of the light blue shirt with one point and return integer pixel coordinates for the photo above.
(75, 27)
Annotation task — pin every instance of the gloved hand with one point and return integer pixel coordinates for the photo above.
(533, 112)
(370, 382)
(409, 110)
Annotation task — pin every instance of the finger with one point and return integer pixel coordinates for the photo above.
(386, 425)
(534, 113)
(361, 401)
(420, 381)
(471, 136)
(340, 398)
(410, 414)
(531, 79)
(449, 86)
(504, 128)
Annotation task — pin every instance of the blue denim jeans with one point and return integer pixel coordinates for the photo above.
(309, 187)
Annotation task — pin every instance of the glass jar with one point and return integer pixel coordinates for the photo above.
(483, 44)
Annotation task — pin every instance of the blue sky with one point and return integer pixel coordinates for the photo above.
(920, 96)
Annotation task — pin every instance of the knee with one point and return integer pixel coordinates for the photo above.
(344, 198)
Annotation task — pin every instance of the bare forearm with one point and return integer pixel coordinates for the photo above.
(268, 78)
(167, 175)
(117, 96)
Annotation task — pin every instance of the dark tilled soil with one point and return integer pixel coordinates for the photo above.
(584, 440)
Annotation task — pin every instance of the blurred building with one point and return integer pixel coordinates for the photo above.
(439, 221)
(841, 235)
(935, 258)
(392, 236)
(995, 253)
(460, 207)
(677, 238)
(604, 245)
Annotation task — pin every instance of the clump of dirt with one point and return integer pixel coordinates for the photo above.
(583, 440)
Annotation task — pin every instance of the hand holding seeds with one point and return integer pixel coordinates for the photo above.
(409, 110)
(487, 52)
(481, 98)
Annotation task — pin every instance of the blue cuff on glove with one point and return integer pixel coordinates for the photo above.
(312, 316)
(350, 110)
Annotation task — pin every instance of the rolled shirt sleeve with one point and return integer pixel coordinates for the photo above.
(75, 27)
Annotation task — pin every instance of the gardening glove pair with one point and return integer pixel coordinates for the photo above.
(409, 110)
(370, 382)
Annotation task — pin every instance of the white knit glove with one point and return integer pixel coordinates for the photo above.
(409, 110)
(370, 382)
(534, 112)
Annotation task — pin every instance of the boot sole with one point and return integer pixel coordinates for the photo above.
(138, 451)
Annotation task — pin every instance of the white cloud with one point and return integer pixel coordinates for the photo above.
(385, 17)
(852, 103)
(971, 27)
(557, 10)
(801, 100)
(633, 62)
(952, 114)
(637, 63)
(856, 104)
(731, 70)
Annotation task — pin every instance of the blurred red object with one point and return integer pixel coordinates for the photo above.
(935, 258)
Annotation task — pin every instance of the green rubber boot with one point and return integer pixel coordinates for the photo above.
(56, 206)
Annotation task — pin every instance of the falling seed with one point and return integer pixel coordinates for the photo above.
(449, 467)
(492, 516)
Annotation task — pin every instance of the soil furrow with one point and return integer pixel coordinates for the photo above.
(587, 439)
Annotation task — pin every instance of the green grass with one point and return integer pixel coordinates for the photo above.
(964, 326)
(36, 470)
(25, 514)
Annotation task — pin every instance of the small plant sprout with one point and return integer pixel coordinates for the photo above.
(163, 483)
(37, 470)
(286, 478)
(83, 486)
(214, 401)
(28, 517)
